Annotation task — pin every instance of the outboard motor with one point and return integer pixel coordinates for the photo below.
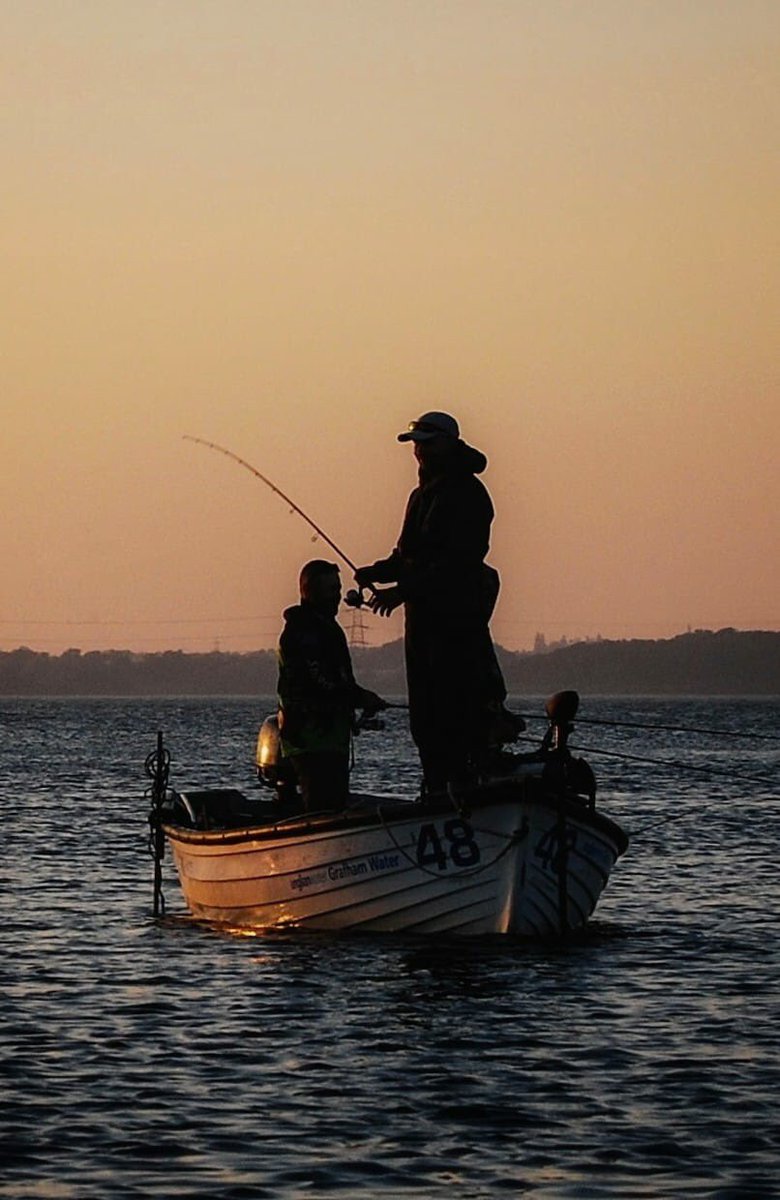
(273, 770)
(269, 751)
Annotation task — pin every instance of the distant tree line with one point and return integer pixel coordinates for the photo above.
(123, 673)
(728, 662)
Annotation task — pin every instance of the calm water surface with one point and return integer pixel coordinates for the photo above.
(145, 1058)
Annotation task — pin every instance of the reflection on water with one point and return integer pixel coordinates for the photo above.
(167, 1058)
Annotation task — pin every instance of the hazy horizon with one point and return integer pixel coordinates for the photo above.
(546, 645)
(291, 228)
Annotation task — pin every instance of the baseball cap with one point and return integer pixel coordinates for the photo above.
(430, 425)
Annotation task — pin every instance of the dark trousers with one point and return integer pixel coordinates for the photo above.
(453, 678)
(323, 780)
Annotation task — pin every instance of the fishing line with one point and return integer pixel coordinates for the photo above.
(656, 762)
(755, 737)
(675, 816)
(264, 478)
(678, 766)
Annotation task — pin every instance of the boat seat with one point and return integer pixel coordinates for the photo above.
(225, 808)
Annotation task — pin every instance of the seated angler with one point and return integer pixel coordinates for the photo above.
(318, 694)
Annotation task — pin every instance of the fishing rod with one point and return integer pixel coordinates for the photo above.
(353, 597)
(726, 772)
(756, 737)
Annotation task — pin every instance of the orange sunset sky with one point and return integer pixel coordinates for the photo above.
(290, 226)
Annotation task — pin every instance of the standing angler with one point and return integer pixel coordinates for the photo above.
(456, 690)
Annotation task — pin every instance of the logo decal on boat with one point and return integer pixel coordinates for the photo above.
(306, 881)
(348, 869)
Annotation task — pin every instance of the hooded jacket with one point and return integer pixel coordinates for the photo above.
(439, 561)
(317, 689)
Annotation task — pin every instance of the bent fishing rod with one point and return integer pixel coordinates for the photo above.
(353, 597)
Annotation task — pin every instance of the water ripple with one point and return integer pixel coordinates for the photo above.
(168, 1058)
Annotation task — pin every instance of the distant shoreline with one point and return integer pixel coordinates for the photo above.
(728, 662)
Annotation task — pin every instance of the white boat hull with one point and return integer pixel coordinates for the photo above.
(392, 866)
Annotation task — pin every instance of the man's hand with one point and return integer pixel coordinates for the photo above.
(370, 702)
(364, 577)
(384, 602)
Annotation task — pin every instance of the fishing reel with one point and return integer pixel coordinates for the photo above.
(365, 722)
(355, 598)
(364, 596)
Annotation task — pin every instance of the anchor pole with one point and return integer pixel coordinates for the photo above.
(563, 868)
(561, 709)
(157, 766)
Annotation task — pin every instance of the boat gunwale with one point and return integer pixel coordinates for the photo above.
(319, 826)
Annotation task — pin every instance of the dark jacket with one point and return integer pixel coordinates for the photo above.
(439, 562)
(317, 689)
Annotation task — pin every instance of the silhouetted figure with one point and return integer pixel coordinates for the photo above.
(456, 690)
(318, 694)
